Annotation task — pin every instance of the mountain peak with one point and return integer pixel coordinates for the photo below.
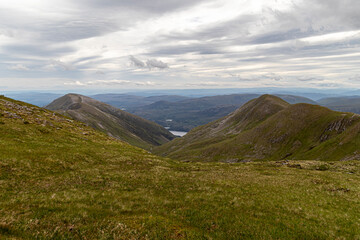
(270, 128)
(255, 111)
(113, 121)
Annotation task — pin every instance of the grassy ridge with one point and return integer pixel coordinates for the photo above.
(113, 121)
(269, 129)
(62, 180)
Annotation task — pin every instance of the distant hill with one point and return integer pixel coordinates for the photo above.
(187, 114)
(343, 104)
(36, 98)
(269, 128)
(125, 101)
(113, 121)
(295, 99)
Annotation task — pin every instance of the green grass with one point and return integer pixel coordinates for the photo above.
(67, 181)
(300, 131)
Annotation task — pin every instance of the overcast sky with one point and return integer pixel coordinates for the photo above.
(162, 44)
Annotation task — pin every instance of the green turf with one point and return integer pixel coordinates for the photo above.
(62, 180)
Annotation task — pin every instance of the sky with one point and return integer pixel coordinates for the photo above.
(179, 44)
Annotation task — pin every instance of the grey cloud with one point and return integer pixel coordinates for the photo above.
(150, 63)
(261, 77)
(100, 72)
(110, 83)
(355, 78)
(272, 76)
(243, 79)
(206, 84)
(36, 50)
(304, 20)
(156, 6)
(199, 48)
(82, 21)
(136, 62)
(278, 36)
(153, 63)
(62, 65)
(232, 29)
(77, 29)
(270, 41)
(310, 79)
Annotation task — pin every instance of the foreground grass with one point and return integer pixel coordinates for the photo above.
(62, 180)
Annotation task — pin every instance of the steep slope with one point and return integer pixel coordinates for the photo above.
(60, 179)
(268, 128)
(115, 122)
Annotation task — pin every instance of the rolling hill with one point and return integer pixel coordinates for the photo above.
(187, 114)
(125, 101)
(60, 179)
(343, 104)
(268, 128)
(115, 122)
(37, 98)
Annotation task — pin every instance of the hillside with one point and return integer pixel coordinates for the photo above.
(60, 179)
(115, 122)
(190, 113)
(268, 128)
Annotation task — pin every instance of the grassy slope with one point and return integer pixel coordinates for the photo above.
(300, 131)
(115, 122)
(62, 180)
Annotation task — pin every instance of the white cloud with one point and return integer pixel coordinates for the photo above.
(110, 82)
(76, 83)
(18, 67)
(257, 41)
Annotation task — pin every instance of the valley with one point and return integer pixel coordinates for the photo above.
(179, 120)
(60, 179)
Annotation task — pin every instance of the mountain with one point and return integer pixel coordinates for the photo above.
(268, 128)
(343, 104)
(125, 101)
(61, 179)
(113, 121)
(292, 99)
(187, 114)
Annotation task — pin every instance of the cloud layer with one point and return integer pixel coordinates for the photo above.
(179, 44)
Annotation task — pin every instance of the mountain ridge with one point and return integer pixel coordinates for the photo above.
(299, 131)
(111, 120)
(61, 179)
